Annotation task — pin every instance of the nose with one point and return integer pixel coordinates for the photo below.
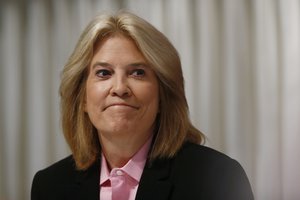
(120, 87)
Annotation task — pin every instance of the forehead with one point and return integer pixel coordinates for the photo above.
(118, 47)
(116, 43)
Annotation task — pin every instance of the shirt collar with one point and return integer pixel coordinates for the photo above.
(134, 167)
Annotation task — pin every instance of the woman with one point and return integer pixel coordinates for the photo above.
(125, 118)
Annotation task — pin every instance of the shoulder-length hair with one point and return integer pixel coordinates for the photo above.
(173, 123)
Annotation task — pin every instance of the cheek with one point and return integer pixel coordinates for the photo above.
(151, 96)
(94, 95)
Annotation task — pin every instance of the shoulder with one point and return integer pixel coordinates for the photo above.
(198, 156)
(47, 183)
(66, 163)
(62, 179)
(63, 169)
(210, 170)
(200, 151)
(60, 173)
(204, 159)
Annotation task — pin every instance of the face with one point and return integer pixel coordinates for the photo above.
(122, 94)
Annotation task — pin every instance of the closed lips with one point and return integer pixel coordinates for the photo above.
(121, 104)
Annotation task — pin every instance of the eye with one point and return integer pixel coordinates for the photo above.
(103, 73)
(138, 72)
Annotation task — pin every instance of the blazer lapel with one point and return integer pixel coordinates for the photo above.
(154, 183)
(87, 184)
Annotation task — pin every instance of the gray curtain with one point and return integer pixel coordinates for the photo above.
(242, 76)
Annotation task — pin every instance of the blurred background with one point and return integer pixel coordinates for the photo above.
(241, 62)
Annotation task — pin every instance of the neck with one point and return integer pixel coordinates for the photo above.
(118, 151)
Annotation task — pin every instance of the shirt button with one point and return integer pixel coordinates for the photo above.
(119, 172)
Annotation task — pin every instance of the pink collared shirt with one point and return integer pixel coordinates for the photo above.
(131, 171)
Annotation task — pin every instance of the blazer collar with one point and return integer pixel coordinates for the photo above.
(154, 183)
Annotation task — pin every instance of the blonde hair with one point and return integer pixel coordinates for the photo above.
(173, 123)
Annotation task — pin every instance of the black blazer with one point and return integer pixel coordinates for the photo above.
(195, 173)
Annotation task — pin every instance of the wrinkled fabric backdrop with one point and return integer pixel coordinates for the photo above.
(241, 62)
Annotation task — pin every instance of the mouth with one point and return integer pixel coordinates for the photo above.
(121, 105)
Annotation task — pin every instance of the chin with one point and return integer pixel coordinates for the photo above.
(119, 128)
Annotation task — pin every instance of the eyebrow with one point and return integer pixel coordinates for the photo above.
(105, 64)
